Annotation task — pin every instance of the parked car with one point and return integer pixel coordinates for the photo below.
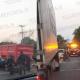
(74, 52)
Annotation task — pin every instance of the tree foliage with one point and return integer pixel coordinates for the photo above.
(60, 38)
(77, 33)
(28, 40)
(61, 42)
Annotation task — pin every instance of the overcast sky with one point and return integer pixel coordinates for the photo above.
(67, 16)
(16, 12)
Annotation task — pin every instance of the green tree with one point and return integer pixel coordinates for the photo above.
(28, 40)
(77, 34)
(61, 42)
(60, 38)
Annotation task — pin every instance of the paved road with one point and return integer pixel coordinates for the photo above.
(5, 75)
(70, 70)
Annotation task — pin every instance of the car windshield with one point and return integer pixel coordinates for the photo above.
(39, 39)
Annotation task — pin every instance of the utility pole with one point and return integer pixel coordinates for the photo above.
(22, 32)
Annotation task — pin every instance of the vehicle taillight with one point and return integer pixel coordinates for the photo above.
(39, 78)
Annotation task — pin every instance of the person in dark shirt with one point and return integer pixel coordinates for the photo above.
(21, 63)
(10, 64)
(28, 63)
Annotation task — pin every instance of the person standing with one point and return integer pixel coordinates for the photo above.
(28, 63)
(10, 64)
(21, 63)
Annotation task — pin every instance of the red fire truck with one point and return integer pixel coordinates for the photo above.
(15, 49)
